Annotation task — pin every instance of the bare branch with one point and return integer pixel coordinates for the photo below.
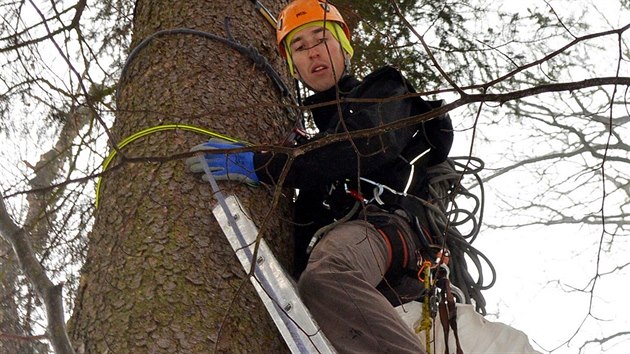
(604, 340)
(79, 7)
(24, 338)
(428, 50)
(558, 52)
(49, 293)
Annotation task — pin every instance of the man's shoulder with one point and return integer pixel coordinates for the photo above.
(383, 82)
(384, 73)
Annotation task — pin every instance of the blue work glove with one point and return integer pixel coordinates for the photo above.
(237, 166)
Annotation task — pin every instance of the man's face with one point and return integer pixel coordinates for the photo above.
(317, 57)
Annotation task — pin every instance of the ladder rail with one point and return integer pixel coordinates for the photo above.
(271, 282)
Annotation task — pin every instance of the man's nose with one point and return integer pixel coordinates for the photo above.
(313, 52)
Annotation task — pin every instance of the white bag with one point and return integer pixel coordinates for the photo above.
(476, 334)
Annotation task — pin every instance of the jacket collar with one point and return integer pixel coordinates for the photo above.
(322, 115)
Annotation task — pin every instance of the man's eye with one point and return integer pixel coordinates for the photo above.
(303, 47)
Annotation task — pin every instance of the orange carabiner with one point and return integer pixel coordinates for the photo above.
(425, 265)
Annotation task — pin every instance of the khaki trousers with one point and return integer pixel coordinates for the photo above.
(339, 288)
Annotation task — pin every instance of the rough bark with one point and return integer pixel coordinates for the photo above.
(160, 276)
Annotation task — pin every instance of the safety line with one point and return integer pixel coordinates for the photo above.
(149, 131)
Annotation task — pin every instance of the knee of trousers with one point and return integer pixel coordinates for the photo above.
(312, 282)
(325, 272)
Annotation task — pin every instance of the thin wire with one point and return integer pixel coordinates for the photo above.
(249, 51)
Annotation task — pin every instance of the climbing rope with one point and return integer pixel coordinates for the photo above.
(444, 216)
(250, 51)
(424, 275)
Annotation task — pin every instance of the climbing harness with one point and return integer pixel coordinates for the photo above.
(443, 251)
(438, 217)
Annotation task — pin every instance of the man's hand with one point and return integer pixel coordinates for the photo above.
(237, 166)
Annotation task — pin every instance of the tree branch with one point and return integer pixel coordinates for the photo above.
(605, 339)
(48, 292)
(79, 7)
(24, 338)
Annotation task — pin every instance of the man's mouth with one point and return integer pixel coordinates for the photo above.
(319, 68)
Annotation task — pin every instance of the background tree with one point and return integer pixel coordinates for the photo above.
(55, 74)
(563, 157)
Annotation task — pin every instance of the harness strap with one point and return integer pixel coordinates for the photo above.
(390, 253)
(448, 312)
(398, 249)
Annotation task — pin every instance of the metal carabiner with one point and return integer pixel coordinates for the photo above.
(447, 269)
(377, 192)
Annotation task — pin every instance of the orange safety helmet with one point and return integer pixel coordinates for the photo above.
(300, 12)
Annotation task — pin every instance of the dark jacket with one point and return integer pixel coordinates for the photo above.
(382, 158)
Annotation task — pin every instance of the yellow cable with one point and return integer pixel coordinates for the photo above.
(148, 131)
(425, 323)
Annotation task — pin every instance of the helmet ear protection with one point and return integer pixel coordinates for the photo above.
(301, 12)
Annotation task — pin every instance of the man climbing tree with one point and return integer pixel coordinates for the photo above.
(367, 237)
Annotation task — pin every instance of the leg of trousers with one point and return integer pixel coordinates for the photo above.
(339, 288)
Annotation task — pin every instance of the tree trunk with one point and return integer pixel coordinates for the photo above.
(160, 275)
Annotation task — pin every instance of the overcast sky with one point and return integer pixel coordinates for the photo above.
(540, 267)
